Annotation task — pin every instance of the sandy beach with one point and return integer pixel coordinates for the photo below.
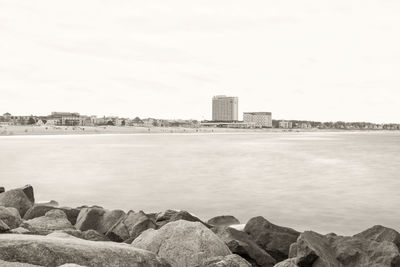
(9, 130)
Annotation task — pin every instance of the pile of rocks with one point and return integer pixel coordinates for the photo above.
(33, 234)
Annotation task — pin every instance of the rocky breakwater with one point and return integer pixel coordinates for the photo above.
(33, 234)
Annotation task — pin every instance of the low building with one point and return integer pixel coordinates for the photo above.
(285, 124)
(67, 118)
(260, 119)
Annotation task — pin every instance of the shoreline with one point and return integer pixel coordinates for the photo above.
(11, 130)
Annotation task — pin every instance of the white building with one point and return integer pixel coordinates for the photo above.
(224, 108)
(261, 119)
(285, 124)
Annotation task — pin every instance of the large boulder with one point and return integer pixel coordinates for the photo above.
(240, 243)
(182, 243)
(130, 227)
(224, 220)
(290, 263)
(39, 210)
(60, 249)
(91, 234)
(174, 215)
(21, 198)
(10, 216)
(52, 221)
(318, 250)
(89, 218)
(232, 260)
(99, 219)
(274, 239)
(380, 233)
(4, 228)
(16, 264)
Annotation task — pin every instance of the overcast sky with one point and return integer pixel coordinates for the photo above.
(317, 60)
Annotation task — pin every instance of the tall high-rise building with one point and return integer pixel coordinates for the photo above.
(224, 108)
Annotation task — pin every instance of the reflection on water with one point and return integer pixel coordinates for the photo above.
(328, 182)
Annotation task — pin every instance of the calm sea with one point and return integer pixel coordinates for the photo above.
(329, 182)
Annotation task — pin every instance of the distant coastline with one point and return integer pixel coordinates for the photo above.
(12, 130)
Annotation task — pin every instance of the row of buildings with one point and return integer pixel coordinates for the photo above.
(225, 111)
(76, 119)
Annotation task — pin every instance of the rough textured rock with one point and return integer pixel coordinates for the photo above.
(20, 230)
(54, 251)
(289, 263)
(4, 228)
(317, 250)
(224, 220)
(10, 216)
(227, 261)
(53, 220)
(28, 190)
(182, 243)
(380, 233)
(130, 227)
(91, 235)
(274, 239)
(40, 210)
(175, 215)
(16, 264)
(99, 219)
(109, 219)
(18, 199)
(240, 243)
(89, 218)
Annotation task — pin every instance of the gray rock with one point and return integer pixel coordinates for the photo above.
(10, 216)
(182, 243)
(18, 199)
(240, 243)
(28, 190)
(109, 219)
(99, 219)
(380, 233)
(130, 227)
(274, 239)
(289, 263)
(71, 265)
(4, 228)
(52, 221)
(89, 218)
(232, 260)
(20, 231)
(91, 235)
(317, 250)
(40, 210)
(16, 264)
(175, 215)
(2, 189)
(56, 250)
(224, 220)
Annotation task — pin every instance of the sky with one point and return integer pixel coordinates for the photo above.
(317, 60)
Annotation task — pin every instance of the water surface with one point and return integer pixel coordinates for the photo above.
(328, 182)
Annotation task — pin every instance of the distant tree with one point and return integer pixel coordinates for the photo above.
(44, 121)
(155, 123)
(31, 121)
(123, 123)
(137, 120)
(110, 123)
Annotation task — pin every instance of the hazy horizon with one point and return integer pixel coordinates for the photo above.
(310, 60)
